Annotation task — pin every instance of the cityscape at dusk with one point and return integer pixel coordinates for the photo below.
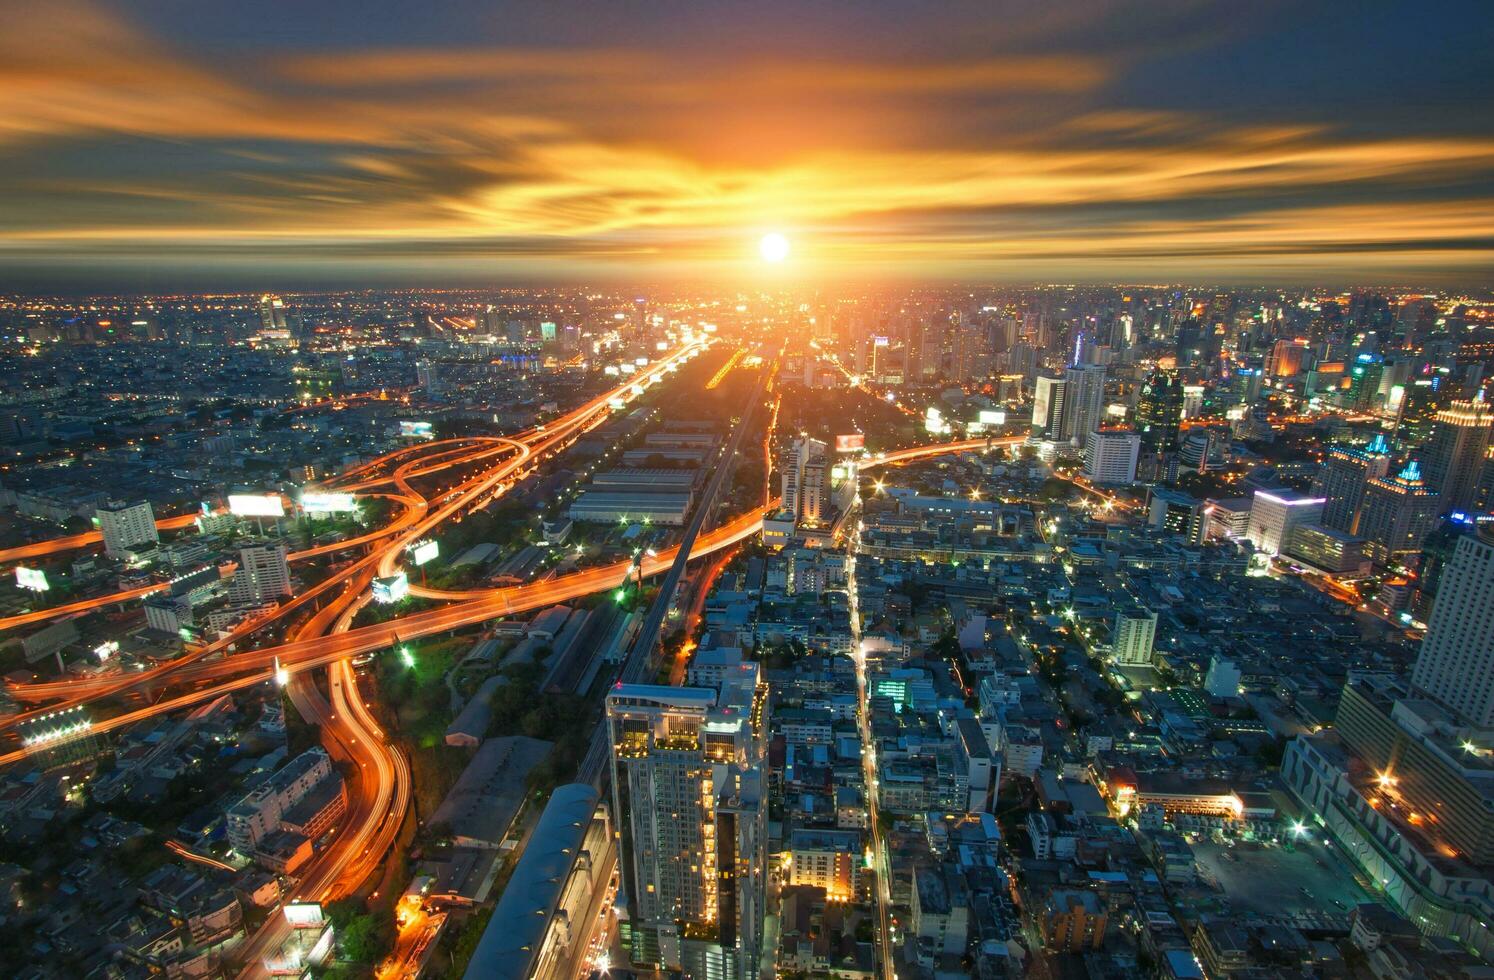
(730, 491)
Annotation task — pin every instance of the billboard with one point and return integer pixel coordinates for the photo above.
(256, 505)
(414, 430)
(850, 443)
(391, 589)
(328, 503)
(423, 551)
(302, 915)
(992, 417)
(547, 330)
(32, 578)
(610, 370)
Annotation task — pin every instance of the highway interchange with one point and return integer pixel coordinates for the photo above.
(381, 785)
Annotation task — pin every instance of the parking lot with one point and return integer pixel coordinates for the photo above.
(1308, 879)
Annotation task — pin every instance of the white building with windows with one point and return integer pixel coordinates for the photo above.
(126, 526)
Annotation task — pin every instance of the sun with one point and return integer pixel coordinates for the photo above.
(773, 247)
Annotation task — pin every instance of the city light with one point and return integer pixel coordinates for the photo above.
(406, 657)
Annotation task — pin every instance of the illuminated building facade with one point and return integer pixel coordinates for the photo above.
(1159, 412)
(1274, 514)
(1457, 453)
(804, 481)
(1404, 794)
(689, 790)
(1397, 515)
(1342, 478)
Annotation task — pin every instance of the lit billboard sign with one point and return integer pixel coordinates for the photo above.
(415, 430)
(32, 578)
(256, 505)
(991, 417)
(610, 371)
(547, 331)
(423, 551)
(303, 915)
(391, 589)
(328, 503)
(850, 442)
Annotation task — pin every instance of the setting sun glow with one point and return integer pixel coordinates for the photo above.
(773, 247)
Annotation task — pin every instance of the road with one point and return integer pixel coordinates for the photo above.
(381, 783)
(885, 944)
(467, 608)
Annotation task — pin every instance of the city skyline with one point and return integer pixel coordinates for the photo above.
(1096, 142)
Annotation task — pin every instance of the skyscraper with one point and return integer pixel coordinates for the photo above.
(1397, 515)
(1457, 451)
(1048, 408)
(1456, 664)
(1084, 397)
(1342, 477)
(125, 525)
(1436, 553)
(272, 313)
(689, 793)
(803, 480)
(1159, 410)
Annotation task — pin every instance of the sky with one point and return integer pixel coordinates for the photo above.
(163, 144)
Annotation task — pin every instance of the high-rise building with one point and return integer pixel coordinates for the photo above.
(1457, 452)
(1436, 551)
(126, 525)
(1084, 402)
(272, 313)
(1364, 382)
(263, 575)
(1048, 409)
(1274, 514)
(1133, 635)
(1110, 457)
(804, 476)
(1159, 412)
(1456, 663)
(689, 790)
(1342, 478)
(1286, 358)
(1397, 515)
(428, 377)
